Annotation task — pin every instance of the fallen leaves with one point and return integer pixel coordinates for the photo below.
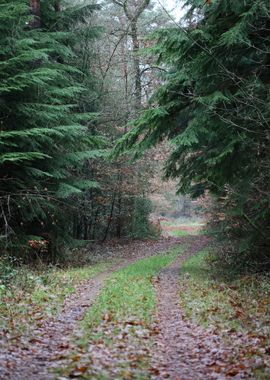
(116, 349)
(238, 312)
(107, 317)
(124, 348)
(29, 330)
(78, 371)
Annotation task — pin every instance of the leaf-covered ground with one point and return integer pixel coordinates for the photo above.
(33, 296)
(236, 310)
(117, 331)
(41, 310)
(153, 311)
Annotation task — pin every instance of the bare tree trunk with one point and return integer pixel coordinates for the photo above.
(57, 6)
(110, 218)
(124, 68)
(94, 225)
(119, 217)
(35, 11)
(136, 66)
(85, 228)
(133, 13)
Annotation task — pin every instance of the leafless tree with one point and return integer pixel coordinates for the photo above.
(133, 9)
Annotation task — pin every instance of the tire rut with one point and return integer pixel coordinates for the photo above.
(183, 350)
(36, 358)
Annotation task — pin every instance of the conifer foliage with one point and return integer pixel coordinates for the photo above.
(45, 137)
(214, 108)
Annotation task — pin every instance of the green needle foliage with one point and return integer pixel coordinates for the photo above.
(214, 109)
(45, 136)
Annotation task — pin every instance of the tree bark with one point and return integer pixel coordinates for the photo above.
(136, 66)
(35, 11)
(110, 218)
(57, 6)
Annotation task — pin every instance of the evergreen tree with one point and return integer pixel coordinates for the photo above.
(45, 135)
(214, 109)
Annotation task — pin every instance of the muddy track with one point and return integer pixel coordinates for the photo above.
(36, 358)
(184, 351)
(52, 338)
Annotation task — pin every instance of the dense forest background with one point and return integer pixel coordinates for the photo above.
(78, 78)
(70, 81)
(134, 189)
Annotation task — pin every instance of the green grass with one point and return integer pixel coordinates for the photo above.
(34, 295)
(183, 222)
(241, 305)
(173, 227)
(123, 312)
(200, 295)
(178, 233)
(129, 292)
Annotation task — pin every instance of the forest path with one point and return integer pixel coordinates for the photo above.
(169, 347)
(53, 339)
(184, 350)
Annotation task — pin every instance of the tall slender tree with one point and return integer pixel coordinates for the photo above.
(133, 10)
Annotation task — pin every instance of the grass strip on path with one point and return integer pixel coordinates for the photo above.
(129, 292)
(178, 233)
(117, 331)
(238, 310)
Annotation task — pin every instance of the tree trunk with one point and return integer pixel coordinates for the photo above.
(136, 66)
(119, 214)
(133, 15)
(94, 224)
(35, 11)
(109, 218)
(57, 6)
(85, 222)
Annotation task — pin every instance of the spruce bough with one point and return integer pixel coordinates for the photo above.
(213, 107)
(44, 137)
